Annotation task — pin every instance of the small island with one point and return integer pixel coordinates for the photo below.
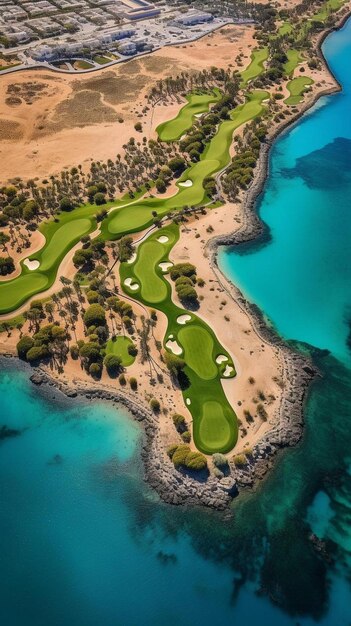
(109, 281)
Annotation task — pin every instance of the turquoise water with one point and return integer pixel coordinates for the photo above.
(84, 542)
(301, 280)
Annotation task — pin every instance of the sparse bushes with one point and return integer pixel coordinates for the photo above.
(155, 405)
(220, 461)
(183, 457)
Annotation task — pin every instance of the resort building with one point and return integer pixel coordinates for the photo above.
(193, 17)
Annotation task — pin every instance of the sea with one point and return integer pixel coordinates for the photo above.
(85, 542)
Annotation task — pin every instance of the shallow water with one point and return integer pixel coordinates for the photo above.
(84, 542)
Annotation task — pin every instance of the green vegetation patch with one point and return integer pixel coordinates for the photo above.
(198, 346)
(119, 347)
(297, 86)
(328, 7)
(172, 130)
(294, 58)
(215, 429)
(256, 67)
(285, 29)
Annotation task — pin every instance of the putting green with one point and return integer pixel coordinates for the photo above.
(198, 345)
(256, 67)
(153, 288)
(119, 347)
(175, 128)
(294, 58)
(214, 428)
(297, 86)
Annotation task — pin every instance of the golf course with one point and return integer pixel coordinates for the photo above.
(171, 130)
(215, 426)
(124, 216)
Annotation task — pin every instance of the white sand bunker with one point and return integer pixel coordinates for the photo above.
(174, 347)
(183, 319)
(163, 239)
(221, 359)
(132, 258)
(32, 265)
(129, 283)
(188, 401)
(187, 183)
(165, 266)
(198, 114)
(228, 370)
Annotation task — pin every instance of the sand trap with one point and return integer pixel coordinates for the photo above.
(221, 358)
(32, 265)
(198, 114)
(187, 183)
(165, 266)
(183, 319)
(132, 258)
(228, 370)
(174, 347)
(163, 239)
(188, 401)
(129, 283)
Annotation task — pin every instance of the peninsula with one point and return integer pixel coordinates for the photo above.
(131, 177)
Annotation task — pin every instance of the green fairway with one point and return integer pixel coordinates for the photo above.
(62, 240)
(285, 29)
(294, 58)
(153, 288)
(197, 104)
(256, 67)
(119, 347)
(297, 86)
(198, 346)
(328, 7)
(15, 292)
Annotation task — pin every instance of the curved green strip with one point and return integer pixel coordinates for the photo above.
(256, 67)
(297, 86)
(171, 130)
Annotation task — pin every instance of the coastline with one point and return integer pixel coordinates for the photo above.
(299, 371)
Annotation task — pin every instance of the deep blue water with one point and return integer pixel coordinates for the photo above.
(84, 542)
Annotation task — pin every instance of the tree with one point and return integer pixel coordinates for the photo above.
(95, 370)
(95, 316)
(177, 165)
(155, 405)
(133, 383)
(160, 185)
(174, 363)
(37, 353)
(138, 127)
(7, 265)
(99, 199)
(23, 346)
(113, 364)
(66, 204)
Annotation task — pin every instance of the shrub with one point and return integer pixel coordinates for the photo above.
(132, 350)
(219, 460)
(133, 383)
(7, 265)
(93, 296)
(155, 405)
(180, 455)
(99, 199)
(179, 422)
(23, 346)
(66, 204)
(186, 436)
(74, 351)
(112, 363)
(90, 352)
(138, 127)
(174, 363)
(36, 353)
(196, 461)
(95, 316)
(122, 380)
(240, 460)
(171, 450)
